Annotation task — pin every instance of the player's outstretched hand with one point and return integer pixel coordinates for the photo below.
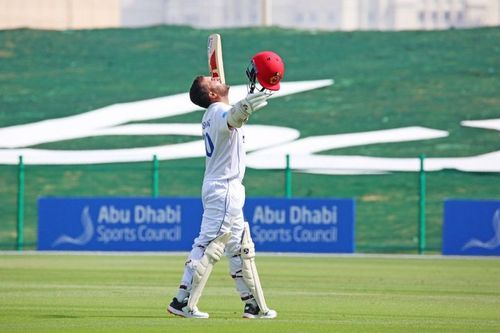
(241, 111)
(252, 103)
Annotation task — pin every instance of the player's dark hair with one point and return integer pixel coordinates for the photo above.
(199, 93)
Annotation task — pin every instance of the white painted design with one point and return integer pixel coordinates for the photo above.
(303, 151)
(492, 124)
(96, 122)
(267, 145)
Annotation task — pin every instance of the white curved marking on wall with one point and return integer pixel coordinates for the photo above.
(108, 120)
(303, 155)
(492, 124)
(257, 137)
(85, 124)
(270, 143)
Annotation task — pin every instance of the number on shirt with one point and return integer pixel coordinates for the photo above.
(209, 145)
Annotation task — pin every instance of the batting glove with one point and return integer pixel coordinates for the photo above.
(241, 111)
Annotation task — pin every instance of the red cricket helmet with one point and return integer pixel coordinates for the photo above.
(268, 68)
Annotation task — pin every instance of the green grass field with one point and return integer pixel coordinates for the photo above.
(383, 80)
(108, 293)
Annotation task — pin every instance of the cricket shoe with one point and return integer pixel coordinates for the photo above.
(252, 311)
(180, 309)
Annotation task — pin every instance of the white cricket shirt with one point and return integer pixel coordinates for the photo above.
(225, 153)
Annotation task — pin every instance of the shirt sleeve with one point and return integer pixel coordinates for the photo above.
(221, 113)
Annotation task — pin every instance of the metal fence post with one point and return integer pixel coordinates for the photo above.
(20, 205)
(288, 178)
(156, 176)
(421, 211)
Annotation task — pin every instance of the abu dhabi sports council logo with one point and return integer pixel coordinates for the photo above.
(85, 237)
(491, 244)
(116, 224)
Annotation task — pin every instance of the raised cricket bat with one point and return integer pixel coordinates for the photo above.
(215, 65)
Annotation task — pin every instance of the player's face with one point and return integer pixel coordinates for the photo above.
(216, 86)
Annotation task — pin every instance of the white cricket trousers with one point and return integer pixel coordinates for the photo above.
(222, 212)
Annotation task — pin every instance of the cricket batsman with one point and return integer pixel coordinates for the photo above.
(223, 228)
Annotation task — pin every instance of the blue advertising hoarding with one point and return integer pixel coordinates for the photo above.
(171, 224)
(471, 227)
(301, 225)
(117, 224)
